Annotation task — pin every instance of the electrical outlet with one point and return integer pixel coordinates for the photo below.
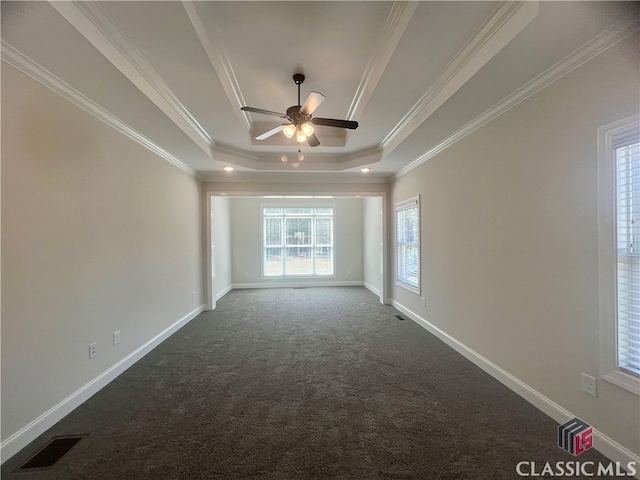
(92, 350)
(424, 302)
(589, 385)
(193, 295)
(348, 271)
(116, 337)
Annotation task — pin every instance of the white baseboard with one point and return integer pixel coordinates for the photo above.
(604, 444)
(371, 288)
(223, 292)
(301, 283)
(31, 431)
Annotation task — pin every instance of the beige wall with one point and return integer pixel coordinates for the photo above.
(510, 240)
(372, 238)
(99, 235)
(246, 236)
(221, 234)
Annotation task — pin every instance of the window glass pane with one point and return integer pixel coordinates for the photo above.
(324, 260)
(299, 231)
(323, 231)
(273, 211)
(628, 234)
(298, 211)
(273, 261)
(298, 241)
(273, 231)
(299, 260)
(408, 264)
(408, 247)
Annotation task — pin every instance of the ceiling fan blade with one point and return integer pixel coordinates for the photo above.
(332, 122)
(271, 132)
(313, 101)
(264, 112)
(312, 140)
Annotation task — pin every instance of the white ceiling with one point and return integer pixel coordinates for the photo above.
(415, 75)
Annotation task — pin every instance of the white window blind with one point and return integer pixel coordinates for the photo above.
(628, 245)
(408, 244)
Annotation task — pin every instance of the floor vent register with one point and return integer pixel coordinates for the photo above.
(53, 451)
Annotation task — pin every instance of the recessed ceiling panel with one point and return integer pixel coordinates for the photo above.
(163, 34)
(64, 52)
(267, 42)
(436, 33)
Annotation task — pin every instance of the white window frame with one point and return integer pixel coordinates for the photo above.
(284, 245)
(611, 137)
(400, 206)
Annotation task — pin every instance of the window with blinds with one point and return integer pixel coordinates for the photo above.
(628, 247)
(408, 244)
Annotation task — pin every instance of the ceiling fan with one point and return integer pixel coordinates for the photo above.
(300, 118)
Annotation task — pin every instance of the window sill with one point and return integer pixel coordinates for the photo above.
(624, 380)
(299, 276)
(411, 288)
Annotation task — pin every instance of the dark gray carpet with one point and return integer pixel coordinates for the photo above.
(301, 384)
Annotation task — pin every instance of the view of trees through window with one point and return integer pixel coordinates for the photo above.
(298, 241)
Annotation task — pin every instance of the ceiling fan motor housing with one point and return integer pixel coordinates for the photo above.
(297, 118)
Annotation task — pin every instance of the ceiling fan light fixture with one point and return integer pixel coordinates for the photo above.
(307, 129)
(299, 117)
(289, 130)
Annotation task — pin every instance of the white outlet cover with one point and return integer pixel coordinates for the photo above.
(116, 337)
(590, 385)
(92, 350)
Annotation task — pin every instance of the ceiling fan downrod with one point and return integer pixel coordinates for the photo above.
(298, 78)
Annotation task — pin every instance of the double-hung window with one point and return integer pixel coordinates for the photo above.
(628, 239)
(297, 241)
(408, 244)
(619, 238)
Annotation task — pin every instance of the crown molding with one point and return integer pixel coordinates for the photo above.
(508, 20)
(393, 30)
(577, 58)
(24, 64)
(314, 162)
(215, 50)
(93, 24)
(227, 154)
(360, 159)
(295, 178)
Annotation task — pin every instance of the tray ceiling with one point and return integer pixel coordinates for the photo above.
(415, 75)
